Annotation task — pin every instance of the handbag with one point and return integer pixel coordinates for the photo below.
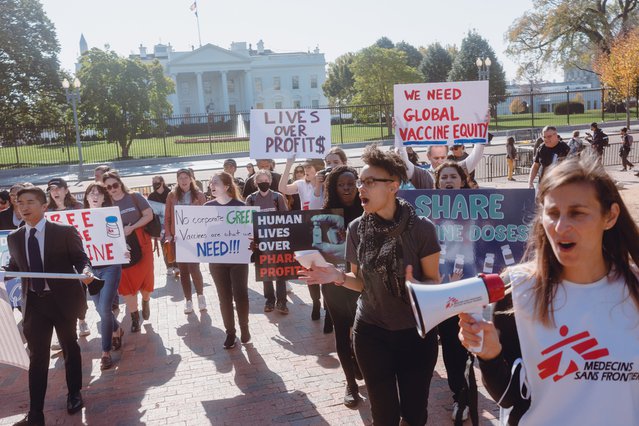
(154, 227)
(135, 251)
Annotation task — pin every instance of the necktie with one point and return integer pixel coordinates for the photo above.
(35, 261)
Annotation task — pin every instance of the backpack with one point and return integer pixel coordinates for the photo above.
(250, 201)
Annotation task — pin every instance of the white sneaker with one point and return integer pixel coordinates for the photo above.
(201, 303)
(456, 409)
(84, 328)
(188, 307)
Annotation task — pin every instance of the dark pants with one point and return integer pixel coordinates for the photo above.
(342, 305)
(454, 354)
(231, 282)
(397, 367)
(190, 271)
(278, 294)
(41, 317)
(624, 158)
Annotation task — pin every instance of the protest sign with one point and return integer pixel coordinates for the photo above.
(213, 234)
(482, 230)
(13, 286)
(279, 234)
(101, 231)
(441, 113)
(284, 133)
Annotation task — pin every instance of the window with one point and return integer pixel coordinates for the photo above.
(296, 82)
(259, 105)
(278, 105)
(258, 85)
(315, 103)
(313, 82)
(232, 109)
(230, 83)
(277, 85)
(594, 104)
(297, 104)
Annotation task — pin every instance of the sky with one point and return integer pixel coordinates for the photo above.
(336, 26)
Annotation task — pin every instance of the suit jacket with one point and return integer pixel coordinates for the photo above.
(6, 219)
(63, 253)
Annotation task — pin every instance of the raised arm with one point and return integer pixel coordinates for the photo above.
(473, 159)
(283, 186)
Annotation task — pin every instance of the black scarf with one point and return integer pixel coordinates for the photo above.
(380, 246)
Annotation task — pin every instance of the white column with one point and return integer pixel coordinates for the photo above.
(200, 93)
(248, 89)
(225, 93)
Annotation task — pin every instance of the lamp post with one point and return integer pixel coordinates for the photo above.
(73, 97)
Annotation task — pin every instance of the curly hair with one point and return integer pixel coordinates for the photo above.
(391, 162)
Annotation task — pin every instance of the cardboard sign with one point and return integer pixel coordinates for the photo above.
(279, 234)
(213, 234)
(284, 133)
(479, 230)
(441, 113)
(101, 231)
(13, 286)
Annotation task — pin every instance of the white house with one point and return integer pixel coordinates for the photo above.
(212, 79)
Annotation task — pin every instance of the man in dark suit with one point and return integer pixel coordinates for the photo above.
(10, 218)
(42, 246)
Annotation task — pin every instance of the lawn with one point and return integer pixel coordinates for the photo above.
(523, 121)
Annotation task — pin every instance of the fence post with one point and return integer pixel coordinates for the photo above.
(381, 125)
(66, 142)
(163, 118)
(532, 109)
(341, 125)
(15, 145)
(568, 104)
(603, 109)
(208, 128)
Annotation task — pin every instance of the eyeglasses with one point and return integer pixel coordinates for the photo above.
(116, 185)
(370, 182)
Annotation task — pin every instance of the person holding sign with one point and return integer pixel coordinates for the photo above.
(386, 246)
(231, 279)
(96, 196)
(185, 193)
(137, 276)
(564, 346)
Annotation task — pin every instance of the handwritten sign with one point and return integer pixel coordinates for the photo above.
(13, 286)
(101, 231)
(283, 133)
(279, 234)
(213, 234)
(481, 230)
(441, 113)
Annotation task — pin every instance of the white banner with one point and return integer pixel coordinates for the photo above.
(212, 234)
(101, 231)
(451, 113)
(284, 133)
(12, 351)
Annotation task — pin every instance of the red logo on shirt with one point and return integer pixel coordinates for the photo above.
(581, 344)
(451, 302)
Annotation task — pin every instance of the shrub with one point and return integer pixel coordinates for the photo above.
(562, 108)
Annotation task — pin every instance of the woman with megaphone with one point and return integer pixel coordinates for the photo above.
(563, 348)
(382, 246)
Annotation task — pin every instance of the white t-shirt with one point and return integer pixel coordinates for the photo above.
(308, 200)
(585, 369)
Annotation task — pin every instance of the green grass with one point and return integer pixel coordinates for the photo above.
(522, 121)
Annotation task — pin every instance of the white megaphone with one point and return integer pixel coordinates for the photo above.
(433, 304)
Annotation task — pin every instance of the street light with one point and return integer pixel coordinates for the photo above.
(483, 68)
(73, 97)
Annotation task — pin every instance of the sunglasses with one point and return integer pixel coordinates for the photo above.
(116, 185)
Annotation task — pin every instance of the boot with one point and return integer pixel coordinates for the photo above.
(135, 322)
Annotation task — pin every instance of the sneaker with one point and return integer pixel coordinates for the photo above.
(188, 307)
(230, 341)
(351, 396)
(106, 362)
(456, 409)
(245, 337)
(201, 303)
(55, 345)
(84, 328)
(269, 306)
(282, 308)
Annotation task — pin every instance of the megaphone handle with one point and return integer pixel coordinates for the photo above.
(477, 316)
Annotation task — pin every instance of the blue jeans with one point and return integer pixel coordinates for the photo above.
(108, 324)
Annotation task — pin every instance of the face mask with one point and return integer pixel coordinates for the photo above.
(157, 185)
(263, 186)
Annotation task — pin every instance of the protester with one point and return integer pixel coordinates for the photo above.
(262, 164)
(459, 154)
(396, 363)
(159, 195)
(231, 280)
(598, 139)
(298, 173)
(624, 150)
(5, 200)
(311, 192)
(230, 167)
(137, 277)
(99, 171)
(341, 193)
(59, 196)
(576, 298)
(336, 157)
(185, 193)
(250, 169)
(551, 152)
(11, 218)
(511, 157)
(269, 200)
(576, 145)
(96, 196)
(49, 303)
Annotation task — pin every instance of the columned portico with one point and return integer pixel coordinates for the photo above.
(200, 93)
(248, 89)
(225, 92)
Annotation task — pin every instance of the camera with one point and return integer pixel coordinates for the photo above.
(325, 172)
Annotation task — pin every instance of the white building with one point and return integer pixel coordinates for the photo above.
(212, 79)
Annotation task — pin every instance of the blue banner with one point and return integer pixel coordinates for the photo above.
(14, 287)
(479, 230)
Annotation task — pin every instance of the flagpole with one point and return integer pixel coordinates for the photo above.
(199, 36)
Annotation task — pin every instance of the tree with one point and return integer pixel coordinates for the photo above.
(384, 43)
(436, 64)
(518, 106)
(474, 46)
(120, 93)
(619, 69)
(414, 56)
(28, 61)
(376, 71)
(567, 32)
(338, 86)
